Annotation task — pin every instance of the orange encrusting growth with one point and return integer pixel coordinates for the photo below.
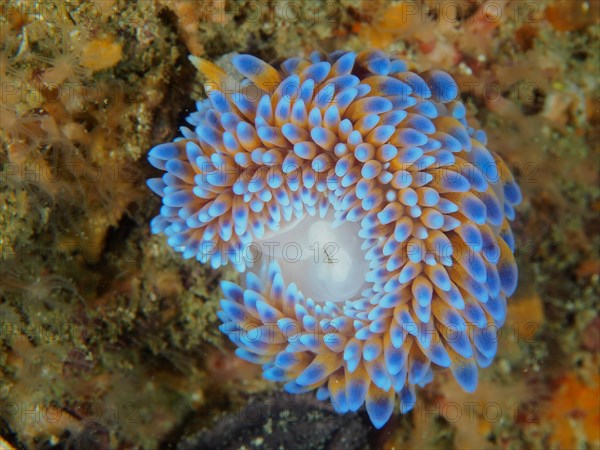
(574, 413)
(100, 54)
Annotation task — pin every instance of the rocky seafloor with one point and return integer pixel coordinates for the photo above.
(109, 339)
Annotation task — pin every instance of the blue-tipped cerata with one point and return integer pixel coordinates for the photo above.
(362, 143)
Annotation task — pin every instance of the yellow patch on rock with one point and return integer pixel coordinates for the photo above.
(525, 315)
(100, 54)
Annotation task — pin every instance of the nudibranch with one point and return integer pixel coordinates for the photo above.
(371, 220)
